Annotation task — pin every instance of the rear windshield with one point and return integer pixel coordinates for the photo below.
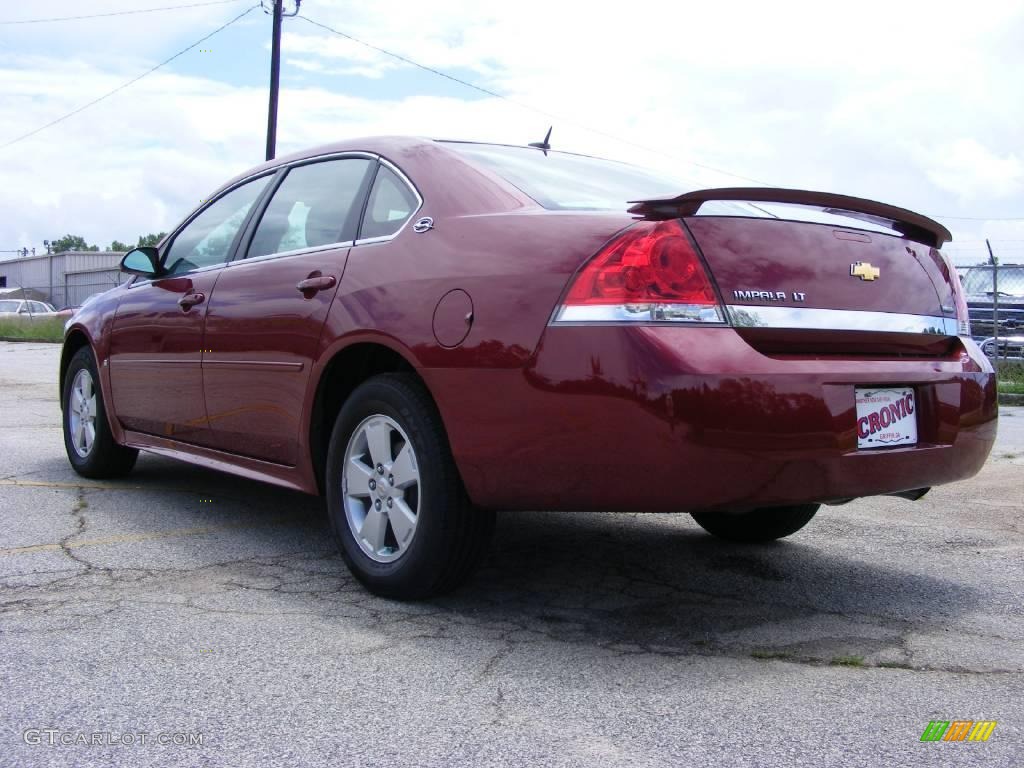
(979, 280)
(561, 181)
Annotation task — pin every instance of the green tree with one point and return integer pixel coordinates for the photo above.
(151, 239)
(117, 245)
(72, 243)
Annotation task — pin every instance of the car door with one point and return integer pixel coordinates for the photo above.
(268, 308)
(156, 339)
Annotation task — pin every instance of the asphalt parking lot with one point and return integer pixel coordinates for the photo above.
(181, 601)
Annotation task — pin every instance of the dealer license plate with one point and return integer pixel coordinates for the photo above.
(886, 417)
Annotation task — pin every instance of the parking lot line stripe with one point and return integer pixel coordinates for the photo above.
(129, 538)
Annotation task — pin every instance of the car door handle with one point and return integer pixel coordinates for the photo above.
(318, 283)
(189, 300)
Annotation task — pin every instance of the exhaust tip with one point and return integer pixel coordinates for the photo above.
(913, 495)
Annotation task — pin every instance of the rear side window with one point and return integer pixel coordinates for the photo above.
(391, 204)
(316, 204)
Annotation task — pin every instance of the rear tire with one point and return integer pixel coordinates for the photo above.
(88, 440)
(399, 512)
(757, 525)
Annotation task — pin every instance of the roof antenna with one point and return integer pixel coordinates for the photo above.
(545, 145)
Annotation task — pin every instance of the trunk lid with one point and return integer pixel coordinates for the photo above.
(798, 287)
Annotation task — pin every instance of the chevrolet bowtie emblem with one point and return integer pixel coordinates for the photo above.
(865, 271)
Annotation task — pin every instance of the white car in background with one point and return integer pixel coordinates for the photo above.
(26, 308)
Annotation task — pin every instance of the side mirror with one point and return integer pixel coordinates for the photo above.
(144, 261)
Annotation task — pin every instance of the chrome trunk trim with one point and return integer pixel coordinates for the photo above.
(806, 318)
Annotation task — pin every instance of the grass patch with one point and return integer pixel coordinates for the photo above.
(766, 655)
(23, 329)
(1011, 371)
(847, 661)
(1010, 374)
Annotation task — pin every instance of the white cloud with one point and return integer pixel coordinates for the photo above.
(970, 170)
(909, 102)
(373, 71)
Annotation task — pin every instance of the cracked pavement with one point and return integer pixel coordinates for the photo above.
(182, 600)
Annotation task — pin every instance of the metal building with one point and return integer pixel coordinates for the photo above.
(64, 279)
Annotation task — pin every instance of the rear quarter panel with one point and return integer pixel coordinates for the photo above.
(511, 256)
(514, 266)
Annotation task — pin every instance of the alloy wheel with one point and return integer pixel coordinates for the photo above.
(380, 485)
(82, 413)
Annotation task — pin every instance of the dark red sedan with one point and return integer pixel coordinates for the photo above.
(426, 332)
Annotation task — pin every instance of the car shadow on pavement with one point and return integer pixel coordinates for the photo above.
(659, 583)
(627, 582)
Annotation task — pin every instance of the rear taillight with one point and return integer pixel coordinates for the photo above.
(651, 272)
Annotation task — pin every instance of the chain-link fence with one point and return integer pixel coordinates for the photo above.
(996, 305)
(74, 290)
(80, 286)
(26, 311)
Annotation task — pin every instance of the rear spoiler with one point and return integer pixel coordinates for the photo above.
(911, 225)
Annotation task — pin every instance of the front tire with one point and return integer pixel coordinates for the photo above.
(88, 440)
(757, 525)
(400, 515)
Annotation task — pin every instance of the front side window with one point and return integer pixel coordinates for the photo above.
(391, 203)
(206, 240)
(317, 204)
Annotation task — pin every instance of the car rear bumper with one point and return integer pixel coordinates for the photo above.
(685, 419)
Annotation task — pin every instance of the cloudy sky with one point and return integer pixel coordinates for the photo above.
(920, 104)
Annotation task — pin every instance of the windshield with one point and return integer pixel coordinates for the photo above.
(9, 306)
(979, 280)
(561, 181)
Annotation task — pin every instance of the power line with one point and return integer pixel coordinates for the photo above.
(982, 247)
(487, 91)
(979, 218)
(118, 13)
(970, 247)
(134, 80)
(393, 55)
(520, 104)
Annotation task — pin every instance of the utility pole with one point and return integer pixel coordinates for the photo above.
(275, 73)
(995, 300)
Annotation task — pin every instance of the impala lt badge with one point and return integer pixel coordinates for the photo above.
(865, 271)
(769, 295)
